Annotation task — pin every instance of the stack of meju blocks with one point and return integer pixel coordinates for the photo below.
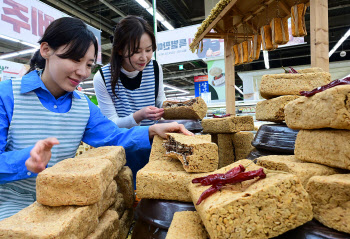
(90, 196)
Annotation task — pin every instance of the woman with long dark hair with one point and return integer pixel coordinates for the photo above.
(42, 109)
(129, 89)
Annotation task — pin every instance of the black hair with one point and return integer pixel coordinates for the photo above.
(126, 40)
(69, 31)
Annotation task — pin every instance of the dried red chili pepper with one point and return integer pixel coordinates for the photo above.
(292, 70)
(240, 168)
(210, 191)
(240, 177)
(243, 177)
(334, 83)
(221, 116)
(213, 180)
(199, 180)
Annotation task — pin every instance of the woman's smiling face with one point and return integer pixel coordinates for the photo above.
(63, 75)
(141, 57)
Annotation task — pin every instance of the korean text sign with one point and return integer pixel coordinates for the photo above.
(27, 20)
(174, 46)
(201, 85)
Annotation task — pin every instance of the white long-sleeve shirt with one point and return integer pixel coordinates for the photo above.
(106, 104)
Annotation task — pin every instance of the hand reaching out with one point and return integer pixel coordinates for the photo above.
(162, 129)
(149, 112)
(40, 155)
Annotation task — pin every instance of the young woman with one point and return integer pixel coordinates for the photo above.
(130, 88)
(43, 120)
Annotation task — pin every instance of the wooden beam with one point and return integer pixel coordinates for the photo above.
(252, 26)
(213, 23)
(257, 11)
(284, 6)
(319, 34)
(228, 24)
(224, 35)
(237, 11)
(229, 77)
(249, 23)
(218, 28)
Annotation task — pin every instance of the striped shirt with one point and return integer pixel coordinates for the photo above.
(130, 101)
(32, 122)
(98, 131)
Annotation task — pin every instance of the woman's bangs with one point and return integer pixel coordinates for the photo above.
(132, 47)
(78, 47)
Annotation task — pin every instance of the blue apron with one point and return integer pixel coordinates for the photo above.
(30, 123)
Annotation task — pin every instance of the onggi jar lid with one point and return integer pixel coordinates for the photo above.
(194, 126)
(160, 213)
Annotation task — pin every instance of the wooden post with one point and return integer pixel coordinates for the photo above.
(229, 77)
(319, 34)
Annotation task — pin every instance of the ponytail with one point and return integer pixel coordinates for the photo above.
(37, 61)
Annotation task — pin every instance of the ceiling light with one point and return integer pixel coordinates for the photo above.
(177, 94)
(347, 34)
(17, 53)
(9, 55)
(175, 88)
(239, 90)
(167, 25)
(169, 91)
(266, 59)
(19, 41)
(30, 44)
(159, 16)
(143, 3)
(9, 38)
(150, 10)
(27, 51)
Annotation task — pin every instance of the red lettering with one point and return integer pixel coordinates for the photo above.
(44, 22)
(34, 21)
(16, 10)
(17, 25)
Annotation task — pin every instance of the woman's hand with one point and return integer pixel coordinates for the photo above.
(162, 129)
(149, 112)
(40, 155)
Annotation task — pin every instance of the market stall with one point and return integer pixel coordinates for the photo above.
(238, 21)
(205, 185)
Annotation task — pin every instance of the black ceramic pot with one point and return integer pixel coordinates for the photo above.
(257, 153)
(276, 138)
(194, 126)
(313, 230)
(154, 217)
(144, 230)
